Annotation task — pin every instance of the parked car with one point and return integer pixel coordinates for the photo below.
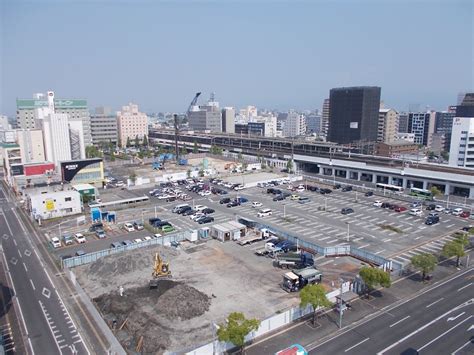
(325, 191)
(400, 209)
(233, 203)
(347, 210)
(100, 233)
(127, 242)
(431, 207)
(115, 245)
(430, 220)
(465, 214)
(346, 189)
(55, 242)
(295, 197)
(377, 203)
(80, 253)
(239, 187)
(303, 200)
(188, 212)
(128, 227)
(161, 224)
(278, 198)
(167, 229)
(153, 220)
(138, 226)
(264, 212)
(439, 208)
(199, 207)
(208, 211)
(369, 193)
(206, 219)
(224, 200)
(337, 186)
(80, 238)
(256, 204)
(416, 212)
(68, 239)
(183, 209)
(457, 211)
(137, 240)
(467, 228)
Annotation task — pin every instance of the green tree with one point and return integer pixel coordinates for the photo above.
(201, 172)
(236, 329)
(445, 155)
(456, 247)
(183, 151)
(145, 141)
(435, 191)
(92, 152)
(188, 173)
(315, 295)
(425, 262)
(244, 166)
(133, 177)
(195, 147)
(239, 156)
(289, 166)
(137, 141)
(373, 277)
(112, 157)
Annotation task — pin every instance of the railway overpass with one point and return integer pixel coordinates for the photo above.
(332, 161)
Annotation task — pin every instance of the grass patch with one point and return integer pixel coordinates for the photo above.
(390, 228)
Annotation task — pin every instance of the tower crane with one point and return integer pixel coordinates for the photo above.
(176, 125)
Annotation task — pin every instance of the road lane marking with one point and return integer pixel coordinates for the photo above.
(32, 285)
(14, 242)
(431, 304)
(462, 288)
(455, 317)
(461, 347)
(443, 334)
(352, 347)
(401, 320)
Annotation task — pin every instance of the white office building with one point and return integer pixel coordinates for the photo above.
(462, 142)
(47, 203)
(57, 141)
(295, 125)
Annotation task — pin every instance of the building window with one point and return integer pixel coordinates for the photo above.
(67, 199)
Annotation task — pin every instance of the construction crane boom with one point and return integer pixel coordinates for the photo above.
(176, 125)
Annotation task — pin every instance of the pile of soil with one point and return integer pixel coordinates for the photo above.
(151, 313)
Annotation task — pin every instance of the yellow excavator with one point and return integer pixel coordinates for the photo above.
(161, 270)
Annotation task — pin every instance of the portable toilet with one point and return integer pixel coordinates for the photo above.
(95, 214)
(204, 233)
(205, 163)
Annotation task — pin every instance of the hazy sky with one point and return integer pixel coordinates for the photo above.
(273, 54)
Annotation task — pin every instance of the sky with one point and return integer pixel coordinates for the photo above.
(271, 54)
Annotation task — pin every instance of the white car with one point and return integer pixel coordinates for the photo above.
(416, 212)
(239, 187)
(157, 235)
(439, 208)
(128, 227)
(300, 188)
(147, 238)
(256, 204)
(138, 240)
(119, 184)
(55, 242)
(199, 207)
(164, 197)
(457, 211)
(205, 193)
(80, 238)
(377, 203)
(265, 212)
(228, 185)
(196, 216)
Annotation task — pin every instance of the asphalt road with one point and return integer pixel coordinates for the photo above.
(49, 327)
(439, 321)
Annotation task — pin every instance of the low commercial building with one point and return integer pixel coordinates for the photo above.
(47, 203)
(87, 171)
(396, 149)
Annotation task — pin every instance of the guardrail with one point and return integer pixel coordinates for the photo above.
(344, 250)
(91, 257)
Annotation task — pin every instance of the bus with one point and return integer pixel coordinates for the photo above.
(392, 188)
(424, 194)
(295, 349)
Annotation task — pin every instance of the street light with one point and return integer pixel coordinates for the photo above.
(284, 211)
(347, 230)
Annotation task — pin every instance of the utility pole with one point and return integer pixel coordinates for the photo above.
(340, 305)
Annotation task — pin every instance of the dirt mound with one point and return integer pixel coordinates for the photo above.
(150, 313)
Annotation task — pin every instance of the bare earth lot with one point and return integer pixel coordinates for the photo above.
(207, 285)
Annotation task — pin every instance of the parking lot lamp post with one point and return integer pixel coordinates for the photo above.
(155, 211)
(348, 230)
(143, 219)
(340, 304)
(325, 204)
(356, 196)
(284, 211)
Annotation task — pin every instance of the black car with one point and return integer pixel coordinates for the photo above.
(208, 210)
(337, 186)
(432, 220)
(385, 205)
(312, 188)
(347, 210)
(153, 220)
(160, 224)
(279, 198)
(188, 212)
(270, 190)
(467, 228)
(184, 209)
(431, 207)
(233, 203)
(205, 219)
(171, 199)
(96, 226)
(369, 193)
(325, 191)
(224, 200)
(347, 188)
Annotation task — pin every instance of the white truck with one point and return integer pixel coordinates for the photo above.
(255, 237)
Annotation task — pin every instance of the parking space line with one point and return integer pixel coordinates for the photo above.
(386, 240)
(321, 239)
(380, 251)
(363, 246)
(332, 241)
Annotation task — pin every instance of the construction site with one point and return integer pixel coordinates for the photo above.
(202, 284)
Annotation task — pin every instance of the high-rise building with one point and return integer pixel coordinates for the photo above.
(30, 112)
(31, 145)
(461, 152)
(228, 120)
(295, 125)
(325, 118)
(422, 125)
(206, 117)
(131, 123)
(388, 125)
(313, 123)
(57, 141)
(4, 124)
(104, 126)
(444, 126)
(354, 114)
(403, 122)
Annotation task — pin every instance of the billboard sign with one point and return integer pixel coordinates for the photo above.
(49, 204)
(69, 169)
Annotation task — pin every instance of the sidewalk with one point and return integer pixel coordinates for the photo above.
(303, 333)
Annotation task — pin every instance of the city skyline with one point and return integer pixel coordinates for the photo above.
(273, 55)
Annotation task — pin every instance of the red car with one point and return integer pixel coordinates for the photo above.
(465, 214)
(400, 209)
